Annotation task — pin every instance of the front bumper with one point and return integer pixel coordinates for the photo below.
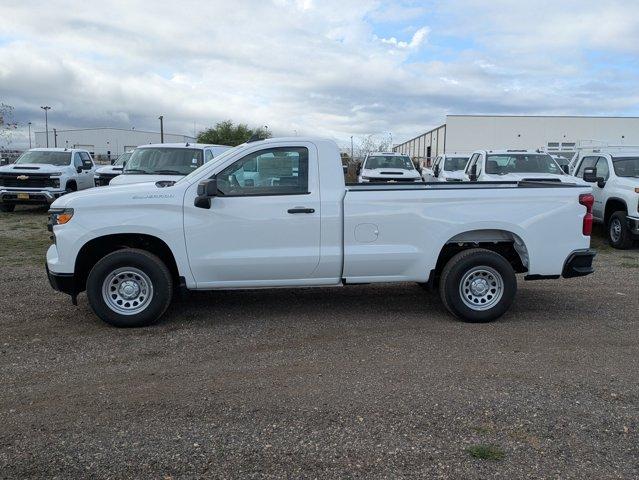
(34, 196)
(579, 263)
(63, 282)
(633, 225)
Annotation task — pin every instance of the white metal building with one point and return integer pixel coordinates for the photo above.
(105, 141)
(466, 133)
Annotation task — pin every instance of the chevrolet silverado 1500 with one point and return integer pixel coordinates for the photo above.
(276, 213)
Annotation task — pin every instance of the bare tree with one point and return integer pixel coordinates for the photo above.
(372, 143)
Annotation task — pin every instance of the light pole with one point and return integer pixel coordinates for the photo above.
(55, 138)
(352, 151)
(29, 135)
(46, 108)
(161, 119)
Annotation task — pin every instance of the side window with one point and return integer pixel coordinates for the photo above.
(77, 160)
(274, 171)
(602, 168)
(208, 155)
(87, 164)
(587, 162)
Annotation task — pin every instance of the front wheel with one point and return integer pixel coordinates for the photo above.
(130, 288)
(618, 234)
(478, 285)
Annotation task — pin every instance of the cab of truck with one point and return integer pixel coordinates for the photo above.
(446, 168)
(614, 176)
(166, 162)
(514, 165)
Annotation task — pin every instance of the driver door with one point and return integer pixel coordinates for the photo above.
(263, 227)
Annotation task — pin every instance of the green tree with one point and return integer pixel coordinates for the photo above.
(227, 133)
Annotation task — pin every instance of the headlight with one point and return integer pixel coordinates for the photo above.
(365, 179)
(59, 216)
(97, 175)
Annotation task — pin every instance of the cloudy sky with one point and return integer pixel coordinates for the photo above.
(333, 68)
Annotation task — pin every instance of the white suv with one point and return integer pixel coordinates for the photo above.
(387, 167)
(446, 168)
(614, 174)
(41, 175)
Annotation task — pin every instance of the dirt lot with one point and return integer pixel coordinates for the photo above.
(368, 382)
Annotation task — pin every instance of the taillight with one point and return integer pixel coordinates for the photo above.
(587, 200)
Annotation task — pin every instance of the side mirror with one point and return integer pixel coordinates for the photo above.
(436, 171)
(205, 191)
(601, 182)
(472, 174)
(3, 162)
(345, 169)
(590, 174)
(566, 169)
(78, 169)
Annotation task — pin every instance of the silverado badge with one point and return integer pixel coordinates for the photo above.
(23, 177)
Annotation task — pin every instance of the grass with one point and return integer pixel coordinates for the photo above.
(486, 452)
(23, 236)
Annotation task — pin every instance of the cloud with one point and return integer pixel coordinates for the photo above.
(324, 68)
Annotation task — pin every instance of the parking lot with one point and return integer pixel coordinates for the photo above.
(366, 381)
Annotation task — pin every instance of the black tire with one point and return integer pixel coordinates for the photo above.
(618, 234)
(7, 207)
(130, 260)
(498, 276)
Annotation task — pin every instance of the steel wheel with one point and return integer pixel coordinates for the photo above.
(481, 287)
(615, 230)
(127, 290)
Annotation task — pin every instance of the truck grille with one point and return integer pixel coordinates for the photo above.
(104, 179)
(390, 180)
(27, 180)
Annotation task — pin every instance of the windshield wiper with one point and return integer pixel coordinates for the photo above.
(168, 172)
(134, 170)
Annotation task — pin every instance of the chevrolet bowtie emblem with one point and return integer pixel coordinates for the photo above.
(23, 177)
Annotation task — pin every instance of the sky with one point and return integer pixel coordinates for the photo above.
(311, 67)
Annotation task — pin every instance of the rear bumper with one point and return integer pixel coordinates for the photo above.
(579, 263)
(62, 282)
(35, 196)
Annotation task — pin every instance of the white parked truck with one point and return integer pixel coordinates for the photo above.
(387, 167)
(166, 162)
(41, 175)
(446, 168)
(514, 165)
(614, 175)
(104, 175)
(277, 213)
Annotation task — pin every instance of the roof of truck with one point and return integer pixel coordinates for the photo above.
(181, 145)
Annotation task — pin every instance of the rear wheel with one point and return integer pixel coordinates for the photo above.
(7, 207)
(478, 285)
(130, 288)
(618, 234)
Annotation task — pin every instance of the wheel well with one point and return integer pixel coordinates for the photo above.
(97, 248)
(72, 183)
(614, 205)
(506, 244)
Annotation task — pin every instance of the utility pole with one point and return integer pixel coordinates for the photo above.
(161, 119)
(29, 135)
(46, 121)
(55, 138)
(352, 150)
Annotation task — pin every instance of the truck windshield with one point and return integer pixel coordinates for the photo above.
(45, 157)
(453, 164)
(626, 166)
(502, 164)
(122, 158)
(389, 161)
(163, 161)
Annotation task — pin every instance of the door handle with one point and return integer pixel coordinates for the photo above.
(301, 210)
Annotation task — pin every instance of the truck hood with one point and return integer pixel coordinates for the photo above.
(33, 168)
(390, 173)
(109, 170)
(114, 195)
(516, 177)
(127, 179)
(455, 174)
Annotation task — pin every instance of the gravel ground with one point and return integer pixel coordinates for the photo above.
(357, 382)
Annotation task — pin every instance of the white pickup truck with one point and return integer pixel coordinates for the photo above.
(614, 174)
(514, 165)
(387, 167)
(41, 175)
(276, 213)
(446, 168)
